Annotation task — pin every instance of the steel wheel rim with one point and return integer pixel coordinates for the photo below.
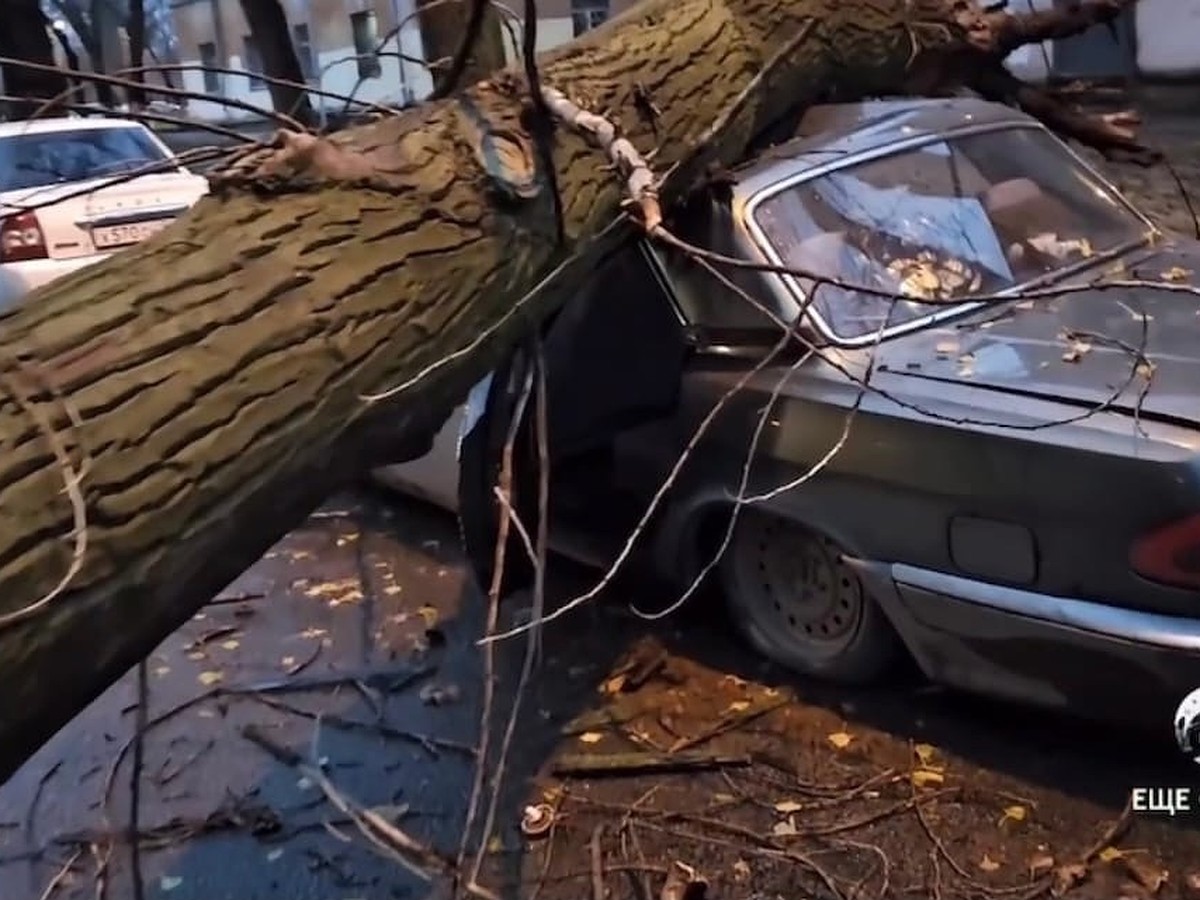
(795, 587)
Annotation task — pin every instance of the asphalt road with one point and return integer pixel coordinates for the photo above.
(353, 643)
(365, 616)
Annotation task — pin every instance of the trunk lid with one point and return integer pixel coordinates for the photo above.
(83, 218)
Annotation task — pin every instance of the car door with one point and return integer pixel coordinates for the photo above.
(612, 360)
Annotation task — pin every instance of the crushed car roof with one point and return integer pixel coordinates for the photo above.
(834, 130)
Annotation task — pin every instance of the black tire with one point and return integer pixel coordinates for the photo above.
(835, 631)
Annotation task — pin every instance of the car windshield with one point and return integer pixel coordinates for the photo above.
(943, 221)
(38, 159)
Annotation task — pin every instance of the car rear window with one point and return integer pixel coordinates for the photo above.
(59, 157)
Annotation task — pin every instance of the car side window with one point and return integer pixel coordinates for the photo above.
(704, 299)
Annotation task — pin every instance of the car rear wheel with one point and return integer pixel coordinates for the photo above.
(796, 600)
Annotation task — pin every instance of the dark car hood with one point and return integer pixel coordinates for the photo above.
(1026, 347)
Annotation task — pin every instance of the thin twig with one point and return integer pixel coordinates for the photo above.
(135, 782)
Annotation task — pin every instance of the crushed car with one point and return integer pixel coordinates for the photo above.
(1014, 499)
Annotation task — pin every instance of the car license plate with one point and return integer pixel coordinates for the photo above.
(110, 236)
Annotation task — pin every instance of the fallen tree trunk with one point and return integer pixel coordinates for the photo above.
(209, 383)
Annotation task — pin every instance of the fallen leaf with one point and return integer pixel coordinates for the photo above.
(311, 632)
(614, 685)
(160, 671)
(1145, 370)
(987, 864)
(288, 661)
(966, 365)
(1145, 872)
(495, 845)
(1067, 877)
(429, 614)
(926, 777)
(788, 806)
(925, 753)
(1024, 304)
(210, 678)
(738, 706)
(1012, 814)
(591, 737)
(1177, 273)
(741, 870)
(1191, 886)
(1077, 351)
(274, 854)
(1109, 854)
(196, 655)
(840, 740)
(724, 798)
(786, 828)
(230, 645)
(946, 348)
(1040, 864)
(169, 882)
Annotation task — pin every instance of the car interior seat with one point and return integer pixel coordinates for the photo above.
(1018, 206)
(821, 254)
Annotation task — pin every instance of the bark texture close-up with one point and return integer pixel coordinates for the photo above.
(170, 413)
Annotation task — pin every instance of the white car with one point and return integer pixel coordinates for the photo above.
(70, 195)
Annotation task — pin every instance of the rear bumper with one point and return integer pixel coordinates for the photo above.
(1085, 658)
(19, 278)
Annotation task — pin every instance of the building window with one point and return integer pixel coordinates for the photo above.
(252, 63)
(587, 14)
(366, 43)
(304, 51)
(208, 59)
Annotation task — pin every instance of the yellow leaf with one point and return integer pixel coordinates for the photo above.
(988, 864)
(926, 777)
(591, 737)
(788, 806)
(786, 828)
(925, 753)
(741, 870)
(1013, 814)
(210, 678)
(614, 685)
(230, 645)
(495, 845)
(724, 798)
(840, 739)
(739, 706)
(1176, 273)
(429, 614)
(1110, 854)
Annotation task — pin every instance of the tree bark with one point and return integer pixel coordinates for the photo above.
(442, 33)
(269, 28)
(216, 373)
(25, 35)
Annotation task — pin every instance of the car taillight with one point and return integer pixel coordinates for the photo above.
(21, 238)
(1170, 554)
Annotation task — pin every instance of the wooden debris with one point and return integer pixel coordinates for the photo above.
(584, 765)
